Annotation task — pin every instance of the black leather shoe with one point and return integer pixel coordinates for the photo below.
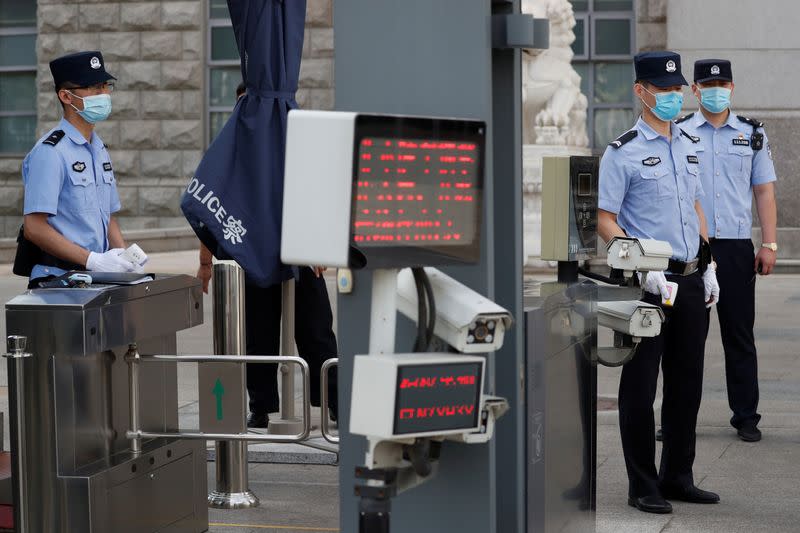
(255, 420)
(749, 434)
(659, 435)
(690, 494)
(651, 504)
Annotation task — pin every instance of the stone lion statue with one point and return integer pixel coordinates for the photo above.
(554, 108)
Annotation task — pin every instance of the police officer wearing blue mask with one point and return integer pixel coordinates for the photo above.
(735, 166)
(650, 188)
(70, 189)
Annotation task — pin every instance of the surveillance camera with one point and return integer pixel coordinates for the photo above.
(642, 255)
(634, 318)
(465, 319)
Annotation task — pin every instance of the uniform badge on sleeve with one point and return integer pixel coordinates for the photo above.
(651, 161)
(78, 166)
(107, 167)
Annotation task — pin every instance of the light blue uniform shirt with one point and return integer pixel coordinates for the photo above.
(73, 182)
(651, 184)
(729, 168)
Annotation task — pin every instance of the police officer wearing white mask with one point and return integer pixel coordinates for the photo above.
(650, 188)
(70, 189)
(736, 165)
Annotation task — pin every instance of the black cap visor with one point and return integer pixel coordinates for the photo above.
(667, 80)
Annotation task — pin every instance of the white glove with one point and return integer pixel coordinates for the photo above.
(109, 261)
(655, 283)
(711, 285)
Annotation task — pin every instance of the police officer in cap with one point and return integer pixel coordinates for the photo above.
(735, 165)
(650, 188)
(70, 189)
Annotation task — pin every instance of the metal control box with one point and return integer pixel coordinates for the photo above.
(78, 470)
(569, 234)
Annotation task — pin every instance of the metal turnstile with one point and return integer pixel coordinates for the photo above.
(70, 411)
(560, 336)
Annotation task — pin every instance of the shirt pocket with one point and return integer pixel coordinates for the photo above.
(656, 183)
(692, 180)
(78, 194)
(739, 161)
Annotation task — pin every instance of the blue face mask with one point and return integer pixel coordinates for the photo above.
(95, 108)
(715, 99)
(668, 105)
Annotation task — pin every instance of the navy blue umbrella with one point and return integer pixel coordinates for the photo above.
(234, 202)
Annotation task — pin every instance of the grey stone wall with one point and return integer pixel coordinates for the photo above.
(651, 27)
(157, 131)
(764, 57)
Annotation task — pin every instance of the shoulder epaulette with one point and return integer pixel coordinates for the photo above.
(684, 118)
(624, 138)
(54, 138)
(692, 138)
(753, 122)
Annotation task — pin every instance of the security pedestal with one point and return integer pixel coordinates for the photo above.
(74, 467)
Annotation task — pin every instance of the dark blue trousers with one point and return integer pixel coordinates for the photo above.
(679, 350)
(313, 334)
(736, 309)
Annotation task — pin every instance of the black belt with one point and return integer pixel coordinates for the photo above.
(682, 268)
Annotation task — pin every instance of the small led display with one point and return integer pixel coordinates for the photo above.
(434, 398)
(418, 184)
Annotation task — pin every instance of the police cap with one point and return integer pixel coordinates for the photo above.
(662, 69)
(83, 69)
(712, 69)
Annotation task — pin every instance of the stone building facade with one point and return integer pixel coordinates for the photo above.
(160, 52)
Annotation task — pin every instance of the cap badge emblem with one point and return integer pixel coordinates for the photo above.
(671, 67)
(95, 63)
(715, 70)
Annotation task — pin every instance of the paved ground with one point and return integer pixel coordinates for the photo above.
(759, 483)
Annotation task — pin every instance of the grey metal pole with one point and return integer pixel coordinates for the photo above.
(132, 357)
(232, 491)
(16, 356)
(288, 424)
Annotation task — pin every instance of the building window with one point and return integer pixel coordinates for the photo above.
(17, 76)
(224, 72)
(604, 47)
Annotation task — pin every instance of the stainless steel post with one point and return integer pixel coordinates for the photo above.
(232, 491)
(16, 356)
(132, 357)
(288, 424)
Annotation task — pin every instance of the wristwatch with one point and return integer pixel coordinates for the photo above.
(771, 245)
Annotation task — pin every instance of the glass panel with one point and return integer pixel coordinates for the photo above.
(613, 5)
(579, 45)
(223, 44)
(218, 119)
(612, 36)
(610, 124)
(580, 5)
(17, 13)
(612, 83)
(583, 71)
(223, 86)
(16, 50)
(218, 9)
(17, 134)
(17, 91)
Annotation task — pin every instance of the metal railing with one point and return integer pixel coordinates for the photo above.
(323, 401)
(137, 433)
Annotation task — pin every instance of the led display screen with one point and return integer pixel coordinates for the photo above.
(435, 398)
(417, 191)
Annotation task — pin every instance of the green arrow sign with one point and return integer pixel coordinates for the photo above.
(218, 391)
